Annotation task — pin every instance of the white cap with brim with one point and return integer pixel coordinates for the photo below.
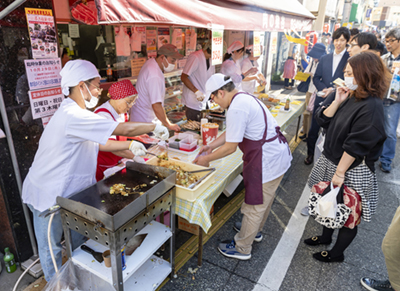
(76, 71)
(215, 82)
(235, 46)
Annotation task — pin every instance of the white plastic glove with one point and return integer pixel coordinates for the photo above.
(161, 132)
(137, 148)
(199, 95)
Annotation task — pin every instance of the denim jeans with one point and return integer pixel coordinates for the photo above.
(392, 115)
(41, 226)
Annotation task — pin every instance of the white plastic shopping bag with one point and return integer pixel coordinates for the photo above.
(319, 146)
(327, 205)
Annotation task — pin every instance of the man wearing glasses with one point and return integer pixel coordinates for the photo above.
(391, 103)
(362, 42)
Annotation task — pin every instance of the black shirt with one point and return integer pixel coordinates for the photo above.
(356, 128)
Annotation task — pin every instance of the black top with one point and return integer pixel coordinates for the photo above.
(356, 127)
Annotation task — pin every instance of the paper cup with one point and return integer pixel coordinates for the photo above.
(210, 132)
(107, 258)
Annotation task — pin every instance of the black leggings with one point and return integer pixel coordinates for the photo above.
(344, 239)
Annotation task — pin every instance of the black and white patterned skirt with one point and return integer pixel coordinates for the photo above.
(361, 179)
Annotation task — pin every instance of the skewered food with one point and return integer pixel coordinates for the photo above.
(192, 125)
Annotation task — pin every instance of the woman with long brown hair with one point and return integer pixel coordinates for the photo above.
(353, 143)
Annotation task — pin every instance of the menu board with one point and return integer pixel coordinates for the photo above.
(42, 33)
(45, 102)
(136, 65)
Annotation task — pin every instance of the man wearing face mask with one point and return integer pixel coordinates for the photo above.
(151, 88)
(65, 162)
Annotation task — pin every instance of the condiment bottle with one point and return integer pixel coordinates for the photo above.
(202, 121)
(109, 74)
(287, 104)
(9, 261)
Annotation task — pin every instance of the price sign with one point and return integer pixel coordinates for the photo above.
(217, 46)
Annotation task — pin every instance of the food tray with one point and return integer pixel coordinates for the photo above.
(183, 192)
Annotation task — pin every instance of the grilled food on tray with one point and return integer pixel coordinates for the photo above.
(183, 178)
(125, 191)
(192, 125)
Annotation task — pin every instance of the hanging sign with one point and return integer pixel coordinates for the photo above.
(151, 36)
(217, 46)
(136, 65)
(256, 43)
(43, 73)
(163, 36)
(45, 102)
(274, 42)
(177, 38)
(42, 33)
(191, 41)
(312, 38)
(337, 25)
(326, 28)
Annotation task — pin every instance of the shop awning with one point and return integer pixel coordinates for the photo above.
(230, 14)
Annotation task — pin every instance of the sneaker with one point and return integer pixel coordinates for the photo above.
(228, 249)
(304, 211)
(384, 167)
(238, 225)
(375, 285)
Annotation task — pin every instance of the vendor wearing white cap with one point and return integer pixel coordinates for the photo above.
(65, 162)
(232, 64)
(249, 83)
(266, 158)
(151, 87)
(123, 96)
(194, 77)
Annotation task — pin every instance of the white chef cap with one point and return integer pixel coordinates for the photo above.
(235, 46)
(76, 71)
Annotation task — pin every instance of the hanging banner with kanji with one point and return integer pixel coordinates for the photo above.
(45, 102)
(256, 43)
(217, 46)
(42, 33)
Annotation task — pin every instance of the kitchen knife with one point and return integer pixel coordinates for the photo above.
(134, 243)
(98, 256)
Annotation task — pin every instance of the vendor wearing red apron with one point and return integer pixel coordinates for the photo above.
(266, 158)
(123, 96)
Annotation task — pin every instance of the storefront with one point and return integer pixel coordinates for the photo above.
(121, 39)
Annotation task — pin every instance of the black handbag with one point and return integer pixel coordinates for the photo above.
(303, 86)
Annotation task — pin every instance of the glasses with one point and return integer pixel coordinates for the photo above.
(132, 102)
(213, 94)
(98, 88)
(391, 40)
(353, 45)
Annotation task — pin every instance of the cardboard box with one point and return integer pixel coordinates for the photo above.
(185, 225)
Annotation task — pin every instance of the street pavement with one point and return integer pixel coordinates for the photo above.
(282, 261)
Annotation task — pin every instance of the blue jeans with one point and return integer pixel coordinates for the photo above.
(41, 226)
(392, 115)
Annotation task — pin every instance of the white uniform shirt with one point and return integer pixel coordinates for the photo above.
(151, 88)
(118, 117)
(249, 86)
(233, 70)
(66, 160)
(245, 119)
(196, 69)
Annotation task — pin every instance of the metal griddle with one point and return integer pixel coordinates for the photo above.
(112, 220)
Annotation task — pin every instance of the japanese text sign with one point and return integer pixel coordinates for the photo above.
(45, 102)
(42, 33)
(217, 47)
(43, 73)
(256, 43)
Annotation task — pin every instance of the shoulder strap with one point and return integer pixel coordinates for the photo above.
(104, 110)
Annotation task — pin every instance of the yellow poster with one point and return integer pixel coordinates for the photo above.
(256, 43)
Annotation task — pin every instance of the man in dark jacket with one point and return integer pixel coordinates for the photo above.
(330, 68)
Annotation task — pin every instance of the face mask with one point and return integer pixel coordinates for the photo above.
(93, 100)
(168, 68)
(348, 81)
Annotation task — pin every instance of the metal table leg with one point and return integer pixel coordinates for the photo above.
(172, 239)
(116, 264)
(298, 127)
(200, 253)
(67, 235)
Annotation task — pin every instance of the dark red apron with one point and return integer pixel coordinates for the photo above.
(252, 160)
(106, 160)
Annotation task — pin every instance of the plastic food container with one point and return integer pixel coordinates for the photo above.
(183, 192)
(188, 144)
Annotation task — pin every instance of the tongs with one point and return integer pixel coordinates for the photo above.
(191, 186)
(202, 170)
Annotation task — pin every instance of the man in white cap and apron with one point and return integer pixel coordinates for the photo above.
(151, 87)
(266, 158)
(65, 162)
(194, 77)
